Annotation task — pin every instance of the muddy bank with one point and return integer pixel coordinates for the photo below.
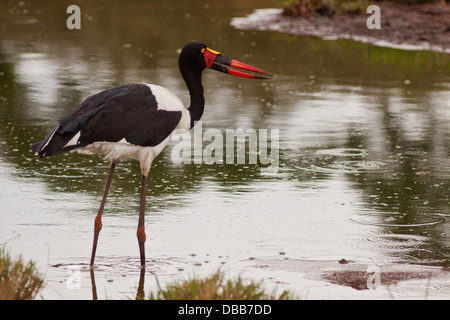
(351, 279)
(410, 27)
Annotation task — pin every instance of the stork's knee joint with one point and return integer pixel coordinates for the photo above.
(98, 224)
(141, 234)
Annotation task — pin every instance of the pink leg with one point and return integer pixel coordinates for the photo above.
(98, 219)
(141, 229)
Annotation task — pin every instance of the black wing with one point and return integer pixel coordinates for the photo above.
(128, 111)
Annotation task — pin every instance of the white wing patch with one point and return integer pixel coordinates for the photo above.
(49, 139)
(168, 101)
(74, 140)
(165, 98)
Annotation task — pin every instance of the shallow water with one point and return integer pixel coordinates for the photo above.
(364, 149)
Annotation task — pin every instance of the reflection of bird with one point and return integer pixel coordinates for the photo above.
(136, 121)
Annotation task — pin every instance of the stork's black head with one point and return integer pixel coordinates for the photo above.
(191, 57)
(196, 56)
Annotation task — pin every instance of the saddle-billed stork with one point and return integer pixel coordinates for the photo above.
(136, 120)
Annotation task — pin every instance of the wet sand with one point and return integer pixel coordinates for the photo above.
(352, 279)
(414, 27)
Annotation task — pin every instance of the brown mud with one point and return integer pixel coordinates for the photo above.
(417, 26)
(366, 280)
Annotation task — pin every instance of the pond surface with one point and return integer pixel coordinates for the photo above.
(364, 166)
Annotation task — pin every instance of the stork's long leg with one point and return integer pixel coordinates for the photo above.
(141, 230)
(98, 219)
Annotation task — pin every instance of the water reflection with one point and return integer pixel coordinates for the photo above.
(364, 132)
(140, 294)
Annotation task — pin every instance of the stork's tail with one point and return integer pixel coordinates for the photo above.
(54, 143)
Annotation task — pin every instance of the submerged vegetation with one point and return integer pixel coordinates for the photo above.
(18, 281)
(215, 287)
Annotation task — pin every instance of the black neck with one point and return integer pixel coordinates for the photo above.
(194, 84)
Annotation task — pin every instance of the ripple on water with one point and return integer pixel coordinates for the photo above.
(394, 242)
(391, 219)
(344, 161)
(350, 166)
(124, 266)
(343, 152)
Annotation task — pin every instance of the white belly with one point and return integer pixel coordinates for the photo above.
(114, 151)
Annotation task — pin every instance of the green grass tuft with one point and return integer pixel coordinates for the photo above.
(18, 281)
(215, 287)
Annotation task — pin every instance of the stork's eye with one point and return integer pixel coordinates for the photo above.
(203, 50)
